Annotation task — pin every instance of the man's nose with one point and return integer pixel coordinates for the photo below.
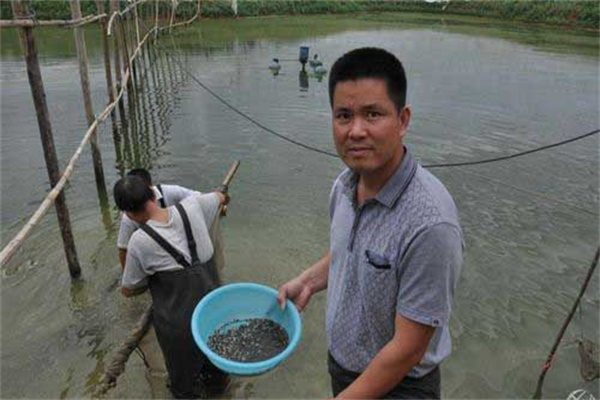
(358, 129)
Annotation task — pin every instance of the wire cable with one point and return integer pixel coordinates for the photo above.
(317, 150)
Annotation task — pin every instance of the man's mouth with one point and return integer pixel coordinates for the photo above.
(358, 151)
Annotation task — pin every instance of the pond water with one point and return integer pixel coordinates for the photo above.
(478, 89)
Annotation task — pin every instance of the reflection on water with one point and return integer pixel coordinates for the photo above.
(531, 224)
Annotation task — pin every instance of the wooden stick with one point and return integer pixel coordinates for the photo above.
(155, 18)
(137, 24)
(550, 359)
(31, 23)
(132, 6)
(114, 7)
(196, 16)
(55, 194)
(117, 365)
(39, 100)
(87, 102)
(89, 21)
(173, 7)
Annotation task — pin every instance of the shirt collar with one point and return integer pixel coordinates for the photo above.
(157, 193)
(394, 187)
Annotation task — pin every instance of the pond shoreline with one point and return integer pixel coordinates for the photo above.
(573, 14)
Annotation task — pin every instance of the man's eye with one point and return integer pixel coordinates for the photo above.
(343, 116)
(373, 114)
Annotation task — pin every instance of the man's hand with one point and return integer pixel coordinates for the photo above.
(301, 288)
(296, 290)
(224, 198)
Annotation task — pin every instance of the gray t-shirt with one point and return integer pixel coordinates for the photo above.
(145, 257)
(399, 253)
(173, 194)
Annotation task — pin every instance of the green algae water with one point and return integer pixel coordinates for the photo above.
(478, 89)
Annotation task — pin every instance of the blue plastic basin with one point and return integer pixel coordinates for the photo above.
(243, 301)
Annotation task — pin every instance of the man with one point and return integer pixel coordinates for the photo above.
(395, 249)
(167, 195)
(173, 256)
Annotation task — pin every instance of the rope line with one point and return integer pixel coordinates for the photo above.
(522, 153)
(242, 114)
(317, 150)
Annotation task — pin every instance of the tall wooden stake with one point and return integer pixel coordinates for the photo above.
(114, 6)
(107, 67)
(87, 101)
(21, 10)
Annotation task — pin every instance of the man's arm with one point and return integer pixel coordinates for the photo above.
(135, 280)
(126, 229)
(301, 288)
(393, 362)
(122, 258)
(127, 292)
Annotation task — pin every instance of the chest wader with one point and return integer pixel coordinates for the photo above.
(175, 294)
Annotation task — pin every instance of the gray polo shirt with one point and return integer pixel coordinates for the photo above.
(399, 253)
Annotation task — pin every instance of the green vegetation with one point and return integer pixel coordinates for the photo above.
(580, 13)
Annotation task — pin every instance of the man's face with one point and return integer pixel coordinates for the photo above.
(367, 128)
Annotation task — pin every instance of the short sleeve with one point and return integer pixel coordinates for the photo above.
(428, 274)
(126, 230)
(134, 275)
(209, 204)
(178, 193)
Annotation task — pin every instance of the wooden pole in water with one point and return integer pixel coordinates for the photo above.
(107, 67)
(550, 359)
(132, 64)
(87, 102)
(21, 10)
(156, 19)
(137, 24)
(114, 7)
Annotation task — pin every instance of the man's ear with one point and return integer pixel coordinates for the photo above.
(405, 115)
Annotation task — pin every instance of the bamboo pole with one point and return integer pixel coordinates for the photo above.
(126, 59)
(107, 67)
(155, 18)
(117, 364)
(31, 23)
(173, 7)
(127, 36)
(137, 24)
(21, 9)
(114, 8)
(55, 194)
(196, 16)
(550, 359)
(87, 102)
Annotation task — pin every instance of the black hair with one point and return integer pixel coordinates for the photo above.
(371, 62)
(131, 194)
(141, 173)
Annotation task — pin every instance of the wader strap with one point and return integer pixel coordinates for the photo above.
(162, 242)
(188, 232)
(163, 204)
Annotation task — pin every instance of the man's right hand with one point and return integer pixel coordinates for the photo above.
(297, 291)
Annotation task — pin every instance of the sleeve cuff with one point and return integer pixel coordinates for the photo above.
(435, 321)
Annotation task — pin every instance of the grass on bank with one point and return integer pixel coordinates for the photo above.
(578, 13)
